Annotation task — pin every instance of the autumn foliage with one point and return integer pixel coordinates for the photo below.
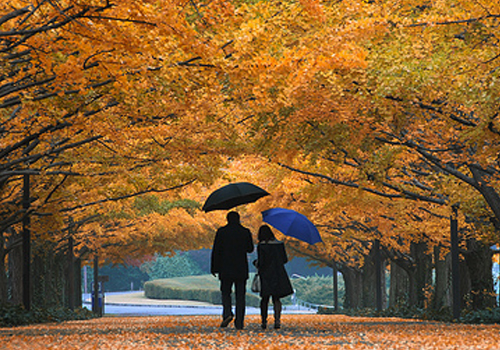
(373, 118)
(298, 332)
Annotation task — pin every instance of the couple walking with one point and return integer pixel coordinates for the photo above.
(229, 260)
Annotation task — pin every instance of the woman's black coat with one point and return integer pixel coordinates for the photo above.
(271, 266)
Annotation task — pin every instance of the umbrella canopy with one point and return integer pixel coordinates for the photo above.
(293, 224)
(232, 195)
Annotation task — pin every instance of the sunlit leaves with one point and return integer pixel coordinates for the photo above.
(175, 92)
(137, 80)
(298, 332)
(376, 93)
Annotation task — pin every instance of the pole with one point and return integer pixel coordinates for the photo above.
(335, 288)
(378, 274)
(96, 308)
(71, 274)
(85, 286)
(455, 263)
(26, 245)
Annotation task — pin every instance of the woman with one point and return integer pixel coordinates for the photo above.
(275, 283)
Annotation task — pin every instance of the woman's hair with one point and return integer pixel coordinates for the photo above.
(265, 234)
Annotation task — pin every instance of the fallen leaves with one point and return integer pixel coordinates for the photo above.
(298, 332)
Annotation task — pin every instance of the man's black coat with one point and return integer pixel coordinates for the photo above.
(229, 253)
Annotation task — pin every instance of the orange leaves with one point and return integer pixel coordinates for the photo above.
(117, 78)
(303, 83)
(314, 8)
(298, 332)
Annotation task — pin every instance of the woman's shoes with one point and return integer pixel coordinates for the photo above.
(277, 325)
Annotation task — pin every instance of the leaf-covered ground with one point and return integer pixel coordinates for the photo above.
(298, 332)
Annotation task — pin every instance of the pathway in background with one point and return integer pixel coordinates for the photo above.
(136, 304)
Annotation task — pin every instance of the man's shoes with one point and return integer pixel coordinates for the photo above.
(226, 321)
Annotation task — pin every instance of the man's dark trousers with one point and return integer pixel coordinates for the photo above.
(240, 290)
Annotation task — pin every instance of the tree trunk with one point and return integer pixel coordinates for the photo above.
(478, 259)
(353, 286)
(370, 283)
(489, 193)
(419, 270)
(399, 286)
(465, 284)
(40, 283)
(423, 272)
(3, 270)
(78, 282)
(442, 285)
(49, 276)
(15, 266)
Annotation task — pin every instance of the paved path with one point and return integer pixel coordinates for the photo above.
(136, 304)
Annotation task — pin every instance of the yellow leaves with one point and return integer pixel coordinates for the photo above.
(312, 71)
(353, 56)
(298, 332)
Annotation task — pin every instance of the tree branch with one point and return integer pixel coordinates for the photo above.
(127, 196)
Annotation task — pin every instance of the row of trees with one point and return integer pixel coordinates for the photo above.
(372, 118)
(386, 149)
(93, 121)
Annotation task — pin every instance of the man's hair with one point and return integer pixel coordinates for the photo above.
(233, 217)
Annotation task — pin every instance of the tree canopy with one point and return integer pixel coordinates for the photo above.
(372, 118)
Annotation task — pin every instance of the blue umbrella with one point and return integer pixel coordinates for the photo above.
(293, 224)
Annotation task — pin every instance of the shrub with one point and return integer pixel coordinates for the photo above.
(203, 288)
(488, 316)
(16, 315)
(481, 316)
(177, 265)
(316, 289)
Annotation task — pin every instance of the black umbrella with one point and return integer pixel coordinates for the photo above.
(232, 195)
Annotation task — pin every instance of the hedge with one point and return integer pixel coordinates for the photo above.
(205, 288)
(16, 315)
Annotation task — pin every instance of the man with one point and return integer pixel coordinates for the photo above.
(229, 260)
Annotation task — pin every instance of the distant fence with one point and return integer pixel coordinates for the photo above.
(309, 305)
